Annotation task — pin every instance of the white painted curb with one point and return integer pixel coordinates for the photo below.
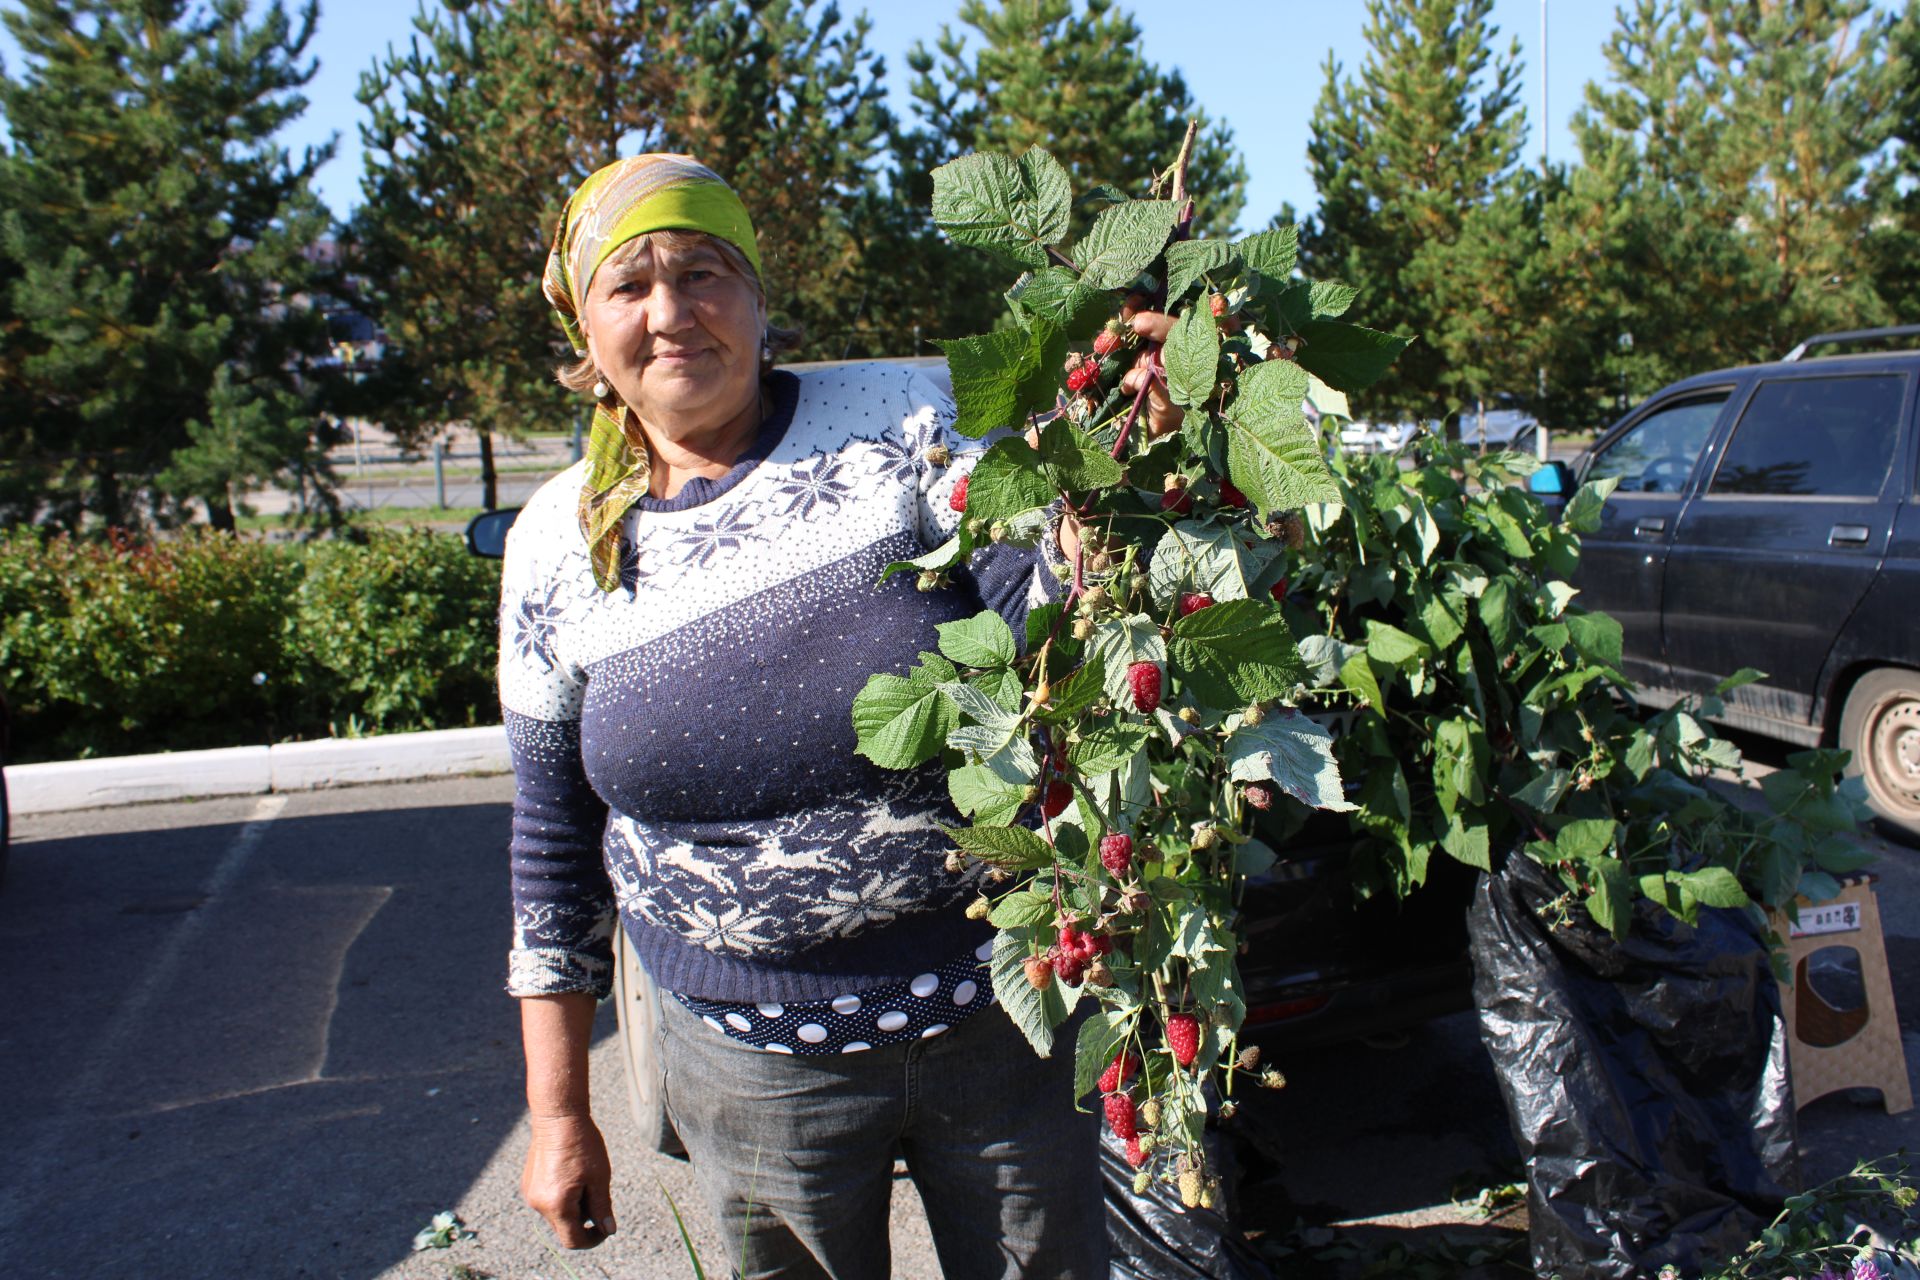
(241, 771)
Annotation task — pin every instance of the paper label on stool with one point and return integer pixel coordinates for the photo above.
(1830, 917)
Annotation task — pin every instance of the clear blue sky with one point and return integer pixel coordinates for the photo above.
(1262, 82)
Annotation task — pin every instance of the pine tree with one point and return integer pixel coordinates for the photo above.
(1896, 236)
(155, 247)
(1402, 156)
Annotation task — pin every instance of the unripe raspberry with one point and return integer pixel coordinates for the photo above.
(1059, 796)
(958, 498)
(1099, 975)
(1141, 1180)
(1150, 1112)
(1082, 628)
(979, 909)
(997, 531)
(927, 581)
(1190, 1189)
(1229, 1109)
(1204, 836)
(1254, 714)
(1039, 972)
(1136, 584)
(1259, 795)
(1271, 1079)
(1249, 1058)
(1116, 854)
(940, 456)
(956, 861)
(1207, 1196)
(1143, 680)
(1194, 602)
(1094, 599)
(1189, 716)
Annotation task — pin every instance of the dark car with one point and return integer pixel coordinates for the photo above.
(1769, 517)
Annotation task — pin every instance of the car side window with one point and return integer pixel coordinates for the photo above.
(1657, 453)
(1828, 437)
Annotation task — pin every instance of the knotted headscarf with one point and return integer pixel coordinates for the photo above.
(628, 198)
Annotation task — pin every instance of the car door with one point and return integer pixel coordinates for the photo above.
(1771, 558)
(1623, 563)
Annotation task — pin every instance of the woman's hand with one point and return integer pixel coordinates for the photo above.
(569, 1181)
(1163, 415)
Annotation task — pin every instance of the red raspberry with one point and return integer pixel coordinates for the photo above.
(1280, 590)
(1116, 851)
(1218, 305)
(1119, 1071)
(1259, 795)
(1135, 1156)
(1194, 602)
(1084, 374)
(1178, 501)
(1120, 1119)
(1183, 1037)
(1232, 496)
(958, 498)
(1143, 678)
(1070, 939)
(1068, 967)
(1106, 342)
(1059, 796)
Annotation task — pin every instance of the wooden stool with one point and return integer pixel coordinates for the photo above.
(1830, 1048)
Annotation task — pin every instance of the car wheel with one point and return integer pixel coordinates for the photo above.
(636, 1003)
(1881, 726)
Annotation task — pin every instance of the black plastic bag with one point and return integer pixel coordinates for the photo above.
(1646, 1079)
(1154, 1237)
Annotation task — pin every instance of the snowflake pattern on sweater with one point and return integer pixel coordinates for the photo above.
(683, 746)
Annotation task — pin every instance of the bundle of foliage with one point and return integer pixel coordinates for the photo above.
(156, 327)
(1118, 769)
(1824, 1233)
(116, 647)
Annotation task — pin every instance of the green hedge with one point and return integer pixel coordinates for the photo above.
(124, 647)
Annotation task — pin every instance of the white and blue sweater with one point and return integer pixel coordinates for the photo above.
(683, 746)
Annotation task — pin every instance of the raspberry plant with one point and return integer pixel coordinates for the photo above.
(1162, 729)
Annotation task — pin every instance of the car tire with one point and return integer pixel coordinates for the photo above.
(1881, 727)
(636, 1003)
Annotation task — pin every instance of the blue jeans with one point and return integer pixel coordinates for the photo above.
(798, 1152)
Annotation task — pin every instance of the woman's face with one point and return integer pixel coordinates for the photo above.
(676, 333)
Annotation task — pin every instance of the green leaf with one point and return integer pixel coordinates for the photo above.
(984, 640)
(1611, 902)
(1348, 357)
(1079, 690)
(1253, 858)
(1206, 557)
(1192, 356)
(1030, 1010)
(1273, 455)
(986, 796)
(1715, 886)
(1123, 241)
(1013, 209)
(1468, 843)
(1238, 651)
(1324, 656)
(1188, 260)
(1392, 647)
(1584, 508)
(1294, 753)
(1329, 298)
(1093, 1052)
(1586, 839)
(1015, 848)
(1007, 481)
(1105, 748)
(899, 723)
(1441, 625)
(1119, 644)
(1271, 253)
(1597, 636)
(1356, 676)
(1023, 907)
(1496, 614)
(999, 378)
(1739, 679)
(1056, 295)
(949, 553)
(1074, 461)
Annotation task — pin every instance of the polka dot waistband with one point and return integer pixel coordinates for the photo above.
(918, 1009)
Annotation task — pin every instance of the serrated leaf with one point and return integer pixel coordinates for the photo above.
(1293, 752)
(1057, 295)
(1188, 260)
(1584, 508)
(1021, 908)
(984, 640)
(1006, 481)
(1585, 839)
(1081, 688)
(986, 796)
(1327, 299)
(1105, 748)
(1123, 241)
(1204, 557)
(1074, 461)
(1391, 647)
(1597, 636)
(1715, 887)
(1348, 356)
(1030, 1009)
(1356, 676)
(1120, 643)
(1271, 253)
(1468, 842)
(1236, 651)
(1015, 848)
(1496, 614)
(1324, 656)
(949, 553)
(1015, 209)
(978, 705)
(1273, 454)
(1611, 902)
(898, 722)
(1192, 356)
(1543, 792)
(999, 378)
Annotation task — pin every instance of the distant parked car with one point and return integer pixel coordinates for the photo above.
(1378, 437)
(1500, 423)
(1769, 517)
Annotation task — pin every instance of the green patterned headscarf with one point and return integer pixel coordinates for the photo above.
(625, 199)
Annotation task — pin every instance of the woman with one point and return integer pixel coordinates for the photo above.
(686, 617)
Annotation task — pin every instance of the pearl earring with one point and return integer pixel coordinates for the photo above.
(600, 390)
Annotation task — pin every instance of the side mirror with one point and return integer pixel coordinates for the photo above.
(1553, 479)
(487, 532)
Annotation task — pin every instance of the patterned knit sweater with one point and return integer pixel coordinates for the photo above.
(683, 747)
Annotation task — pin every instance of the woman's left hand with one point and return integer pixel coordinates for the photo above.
(1163, 415)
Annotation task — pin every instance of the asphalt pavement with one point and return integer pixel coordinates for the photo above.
(265, 1036)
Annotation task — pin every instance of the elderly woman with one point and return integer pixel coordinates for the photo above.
(686, 617)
